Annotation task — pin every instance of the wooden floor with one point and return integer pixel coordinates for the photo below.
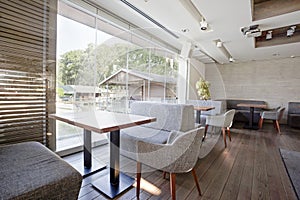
(249, 168)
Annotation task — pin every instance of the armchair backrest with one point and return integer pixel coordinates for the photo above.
(188, 147)
(279, 113)
(179, 156)
(229, 117)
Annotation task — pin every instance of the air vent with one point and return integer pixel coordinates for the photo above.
(149, 18)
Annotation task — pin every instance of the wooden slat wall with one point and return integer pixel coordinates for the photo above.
(25, 30)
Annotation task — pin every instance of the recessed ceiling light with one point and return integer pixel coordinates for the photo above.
(185, 30)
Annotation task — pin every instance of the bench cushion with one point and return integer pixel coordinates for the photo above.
(31, 171)
(169, 117)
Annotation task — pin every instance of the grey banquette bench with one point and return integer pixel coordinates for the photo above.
(179, 117)
(242, 113)
(31, 171)
(293, 117)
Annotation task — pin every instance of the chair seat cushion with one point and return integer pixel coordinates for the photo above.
(269, 115)
(130, 136)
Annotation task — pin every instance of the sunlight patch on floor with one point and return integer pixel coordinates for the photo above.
(149, 187)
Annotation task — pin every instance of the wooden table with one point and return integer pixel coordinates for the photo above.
(198, 111)
(251, 125)
(101, 122)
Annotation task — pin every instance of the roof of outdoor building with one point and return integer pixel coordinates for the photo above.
(119, 78)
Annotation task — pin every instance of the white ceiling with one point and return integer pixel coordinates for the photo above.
(224, 17)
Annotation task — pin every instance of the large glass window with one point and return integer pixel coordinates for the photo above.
(104, 67)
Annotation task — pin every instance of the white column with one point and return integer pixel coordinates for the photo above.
(182, 80)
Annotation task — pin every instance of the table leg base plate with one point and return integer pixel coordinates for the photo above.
(84, 171)
(104, 186)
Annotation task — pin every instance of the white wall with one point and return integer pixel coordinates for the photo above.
(275, 81)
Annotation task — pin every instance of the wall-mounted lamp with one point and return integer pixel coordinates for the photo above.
(231, 59)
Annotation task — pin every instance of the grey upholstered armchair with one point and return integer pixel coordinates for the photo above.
(275, 116)
(179, 155)
(223, 121)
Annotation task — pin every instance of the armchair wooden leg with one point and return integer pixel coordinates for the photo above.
(164, 174)
(173, 185)
(277, 127)
(228, 132)
(224, 136)
(138, 179)
(196, 181)
(260, 123)
(274, 124)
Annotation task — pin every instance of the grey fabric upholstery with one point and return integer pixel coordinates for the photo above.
(179, 156)
(179, 117)
(31, 171)
(223, 121)
(272, 115)
(168, 116)
(130, 136)
(275, 116)
(220, 108)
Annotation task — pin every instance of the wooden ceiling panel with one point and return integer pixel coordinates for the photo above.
(263, 9)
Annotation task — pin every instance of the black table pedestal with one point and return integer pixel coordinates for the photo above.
(251, 124)
(114, 182)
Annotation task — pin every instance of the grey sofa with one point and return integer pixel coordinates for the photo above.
(178, 117)
(220, 108)
(242, 113)
(31, 171)
(293, 117)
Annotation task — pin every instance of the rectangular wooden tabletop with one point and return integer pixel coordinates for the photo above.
(102, 121)
(252, 105)
(203, 108)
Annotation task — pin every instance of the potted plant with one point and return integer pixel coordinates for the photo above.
(202, 87)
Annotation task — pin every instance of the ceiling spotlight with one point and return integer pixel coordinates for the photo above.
(203, 25)
(231, 59)
(269, 35)
(290, 31)
(251, 31)
(219, 44)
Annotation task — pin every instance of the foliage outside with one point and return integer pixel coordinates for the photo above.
(202, 87)
(94, 64)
